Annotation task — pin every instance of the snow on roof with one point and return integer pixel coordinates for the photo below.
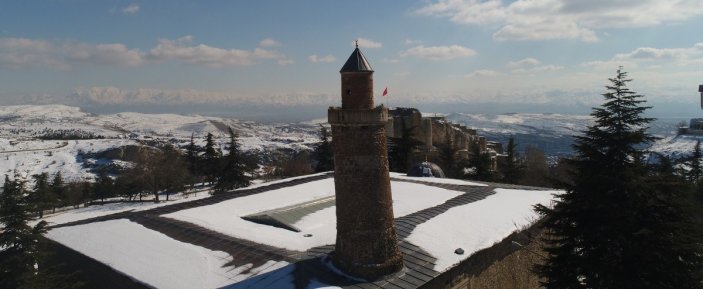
(437, 180)
(154, 258)
(193, 244)
(225, 217)
(478, 225)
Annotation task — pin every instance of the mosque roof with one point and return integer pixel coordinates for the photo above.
(356, 63)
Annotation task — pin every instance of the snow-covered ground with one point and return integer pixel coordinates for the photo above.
(63, 157)
(154, 258)
(407, 198)
(479, 225)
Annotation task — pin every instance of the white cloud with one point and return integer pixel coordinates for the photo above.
(269, 42)
(182, 49)
(483, 73)
(131, 9)
(367, 43)
(412, 42)
(538, 69)
(527, 62)
(561, 19)
(321, 59)
(285, 61)
(438, 52)
(653, 57)
(22, 52)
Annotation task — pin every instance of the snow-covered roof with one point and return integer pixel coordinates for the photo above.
(205, 242)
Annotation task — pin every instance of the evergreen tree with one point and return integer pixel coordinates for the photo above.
(514, 167)
(696, 170)
(211, 159)
(323, 152)
(41, 197)
(233, 172)
(104, 186)
(19, 243)
(446, 154)
(58, 190)
(172, 172)
(192, 157)
(620, 224)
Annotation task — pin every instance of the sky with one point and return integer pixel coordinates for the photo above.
(278, 59)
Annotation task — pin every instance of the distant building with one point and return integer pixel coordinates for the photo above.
(435, 131)
(695, 126)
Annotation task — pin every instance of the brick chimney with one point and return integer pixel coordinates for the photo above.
(367, 245)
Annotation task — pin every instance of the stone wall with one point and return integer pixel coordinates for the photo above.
(434, 132)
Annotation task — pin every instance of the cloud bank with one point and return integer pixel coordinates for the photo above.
(32, 53)
(523, 20)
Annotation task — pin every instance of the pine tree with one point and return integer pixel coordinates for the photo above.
(446, 154)
(696, 170)
(192, 157)
(514, 168)
(620, 224)
(323, 152)
(19, 243)
(58, 190)
(41, 197)
(211, 158)
(233, 171)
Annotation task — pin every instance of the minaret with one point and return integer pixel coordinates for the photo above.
(367, 245)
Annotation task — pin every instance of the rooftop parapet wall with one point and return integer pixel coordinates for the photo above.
(376, 116)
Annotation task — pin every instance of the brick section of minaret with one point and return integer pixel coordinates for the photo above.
(367, 244)
(357, 90)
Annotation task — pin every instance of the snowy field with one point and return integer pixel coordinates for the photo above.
(154, 258)
(407, 198)
(64, 158)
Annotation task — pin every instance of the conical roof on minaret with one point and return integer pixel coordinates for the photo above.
(356, 63)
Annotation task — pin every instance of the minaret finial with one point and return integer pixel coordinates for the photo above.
(357, 43)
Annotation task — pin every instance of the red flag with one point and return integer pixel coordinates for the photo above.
(385, 91)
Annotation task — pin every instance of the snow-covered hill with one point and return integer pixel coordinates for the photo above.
(29, 142)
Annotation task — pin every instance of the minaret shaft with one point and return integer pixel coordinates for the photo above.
(367, 244)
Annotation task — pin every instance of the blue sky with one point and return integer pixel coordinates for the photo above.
(494, 56)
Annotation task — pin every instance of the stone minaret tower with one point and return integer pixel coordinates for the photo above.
(367, 245)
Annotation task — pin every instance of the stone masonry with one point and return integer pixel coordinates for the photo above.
(367, 244)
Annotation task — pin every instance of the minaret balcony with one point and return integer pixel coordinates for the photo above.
(376, 116)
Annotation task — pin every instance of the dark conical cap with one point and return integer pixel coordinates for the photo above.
(356, 63)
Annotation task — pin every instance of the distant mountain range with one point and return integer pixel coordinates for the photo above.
(29, 144)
